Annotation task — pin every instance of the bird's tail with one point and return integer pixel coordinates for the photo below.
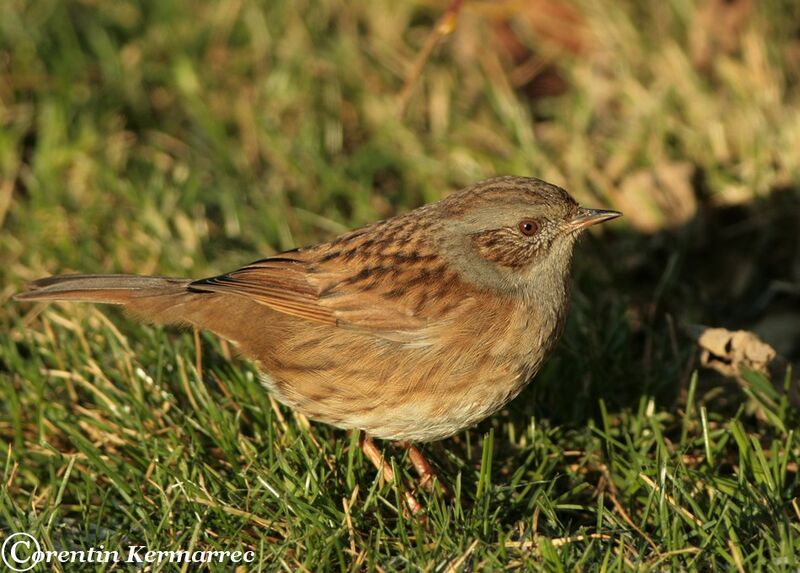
(155, 299)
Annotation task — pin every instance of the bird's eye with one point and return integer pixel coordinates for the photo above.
(528, 227)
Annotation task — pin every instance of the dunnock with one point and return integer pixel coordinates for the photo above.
(410, 329)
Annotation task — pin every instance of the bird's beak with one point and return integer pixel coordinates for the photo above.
(588, 217)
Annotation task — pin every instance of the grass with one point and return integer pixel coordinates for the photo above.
(187, 138)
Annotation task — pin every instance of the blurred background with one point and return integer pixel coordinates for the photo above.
(181, 137)
(188, 138)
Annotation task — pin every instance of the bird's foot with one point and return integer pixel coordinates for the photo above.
(427, 475)
(376, 457)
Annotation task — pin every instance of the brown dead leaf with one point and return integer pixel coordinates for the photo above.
(728, 351)
(559, 24)
(718, 29)
(552, 29)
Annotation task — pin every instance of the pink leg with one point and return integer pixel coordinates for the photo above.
(426, 473)
(374, 455)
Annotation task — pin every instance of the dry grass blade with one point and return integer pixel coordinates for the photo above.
(443, 28)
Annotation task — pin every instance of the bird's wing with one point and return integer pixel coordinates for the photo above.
(395, 297)
(279, 283)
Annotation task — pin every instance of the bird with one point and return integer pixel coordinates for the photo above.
(409, 329)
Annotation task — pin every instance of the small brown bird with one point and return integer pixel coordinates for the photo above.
(412, 328)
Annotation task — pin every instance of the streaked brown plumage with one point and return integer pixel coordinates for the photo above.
(412, 328)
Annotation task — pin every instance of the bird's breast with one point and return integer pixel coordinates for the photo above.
(470, 366)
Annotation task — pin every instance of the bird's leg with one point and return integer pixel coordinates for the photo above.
(374, 455)
(426, 473)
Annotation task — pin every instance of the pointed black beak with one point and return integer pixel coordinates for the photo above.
(588, 217)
